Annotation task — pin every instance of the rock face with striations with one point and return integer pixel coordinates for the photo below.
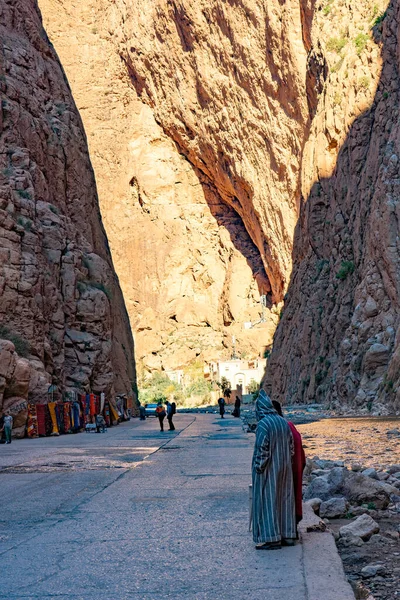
(62, 315)
(277, 123)
(199, 194)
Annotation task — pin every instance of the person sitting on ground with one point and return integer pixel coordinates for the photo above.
(236, 411)
(160, 413)
(100, 424)
(274, 521)
(221, 403)
(298, 464)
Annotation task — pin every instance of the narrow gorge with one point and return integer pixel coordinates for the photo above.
(242, 149)
(260, 130)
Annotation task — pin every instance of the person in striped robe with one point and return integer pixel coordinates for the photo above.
(274, 521)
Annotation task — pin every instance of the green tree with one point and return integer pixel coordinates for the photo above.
(253, 387)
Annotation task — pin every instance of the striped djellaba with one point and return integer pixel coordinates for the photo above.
(273, 491)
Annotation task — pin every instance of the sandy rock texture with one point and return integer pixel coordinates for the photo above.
(199, 191)
(62, 315)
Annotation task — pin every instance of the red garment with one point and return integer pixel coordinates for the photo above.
(41, 419)
(92, 405)
(67, 417)
(298, 463)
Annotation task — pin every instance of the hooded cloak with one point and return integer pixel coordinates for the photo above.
(273, 492)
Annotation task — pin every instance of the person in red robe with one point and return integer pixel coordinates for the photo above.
(298, 464)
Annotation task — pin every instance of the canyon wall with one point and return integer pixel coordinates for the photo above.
(62, 315)
(338, 339)
(232, 140)
(199, 190)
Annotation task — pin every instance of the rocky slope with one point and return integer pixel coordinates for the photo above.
(62, 315)
(340, 324)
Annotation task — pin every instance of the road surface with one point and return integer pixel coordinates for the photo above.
(137, 514)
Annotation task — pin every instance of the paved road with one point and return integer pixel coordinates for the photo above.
(135, 514)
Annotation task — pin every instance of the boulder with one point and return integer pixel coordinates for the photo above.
(359, 489)
(389, 489)
(314, 503)
(356, 467)
(370, 473)
(372, 570)
(393, 469)
(319, 472)
(327, 464)
(335, 508)
(349, 540)
(318, 488)
(363, 527)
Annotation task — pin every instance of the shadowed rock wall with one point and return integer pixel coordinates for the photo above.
(61, 309)
(338, 339)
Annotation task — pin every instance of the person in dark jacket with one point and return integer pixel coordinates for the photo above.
(170, 413)
(236, 410)
(160, 413)
(221, 403)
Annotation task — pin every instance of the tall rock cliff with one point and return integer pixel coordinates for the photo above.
(275, 123)
(338, 339)
(199, 191)
(62, 315)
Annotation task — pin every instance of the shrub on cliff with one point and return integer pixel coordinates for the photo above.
(22, 346)
(346, 268)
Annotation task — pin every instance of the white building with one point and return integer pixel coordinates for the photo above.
(176, 376)
(237, 372)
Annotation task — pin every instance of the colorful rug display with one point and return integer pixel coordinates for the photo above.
(72, 416)
(67, 417)
(107, 413)
(47, 420)
(60, 417)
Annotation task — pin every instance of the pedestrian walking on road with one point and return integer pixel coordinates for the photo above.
(274, 522)
(171, 410)
(160, 413)
(236, 410)
(221, 402)
(142, 412)
(7, 427)
(298, 464)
